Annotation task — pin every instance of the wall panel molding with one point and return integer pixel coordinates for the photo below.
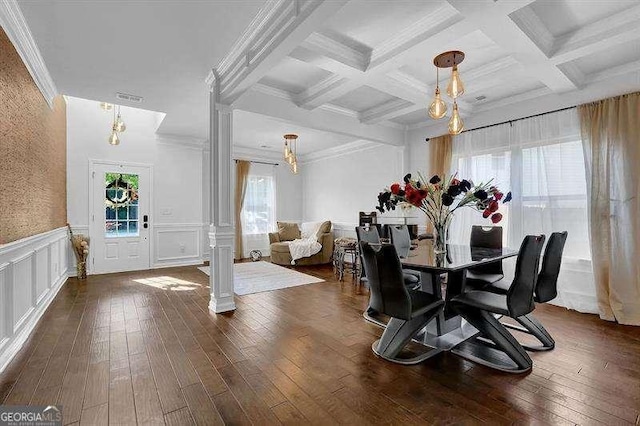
(32, 271)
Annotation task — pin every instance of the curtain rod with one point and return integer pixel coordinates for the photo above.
(259, 162)
(515, 119)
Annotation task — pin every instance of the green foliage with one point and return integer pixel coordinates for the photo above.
(132, 180)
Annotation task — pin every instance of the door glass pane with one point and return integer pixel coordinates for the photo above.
(121, 205)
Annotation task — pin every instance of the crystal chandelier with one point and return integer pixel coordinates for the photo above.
(455, 88)
(291, 151)
(117, 126)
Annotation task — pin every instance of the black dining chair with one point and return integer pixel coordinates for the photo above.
(546, 290)
(491, 238)
(478, 307)
(410, 310)
(401, 240)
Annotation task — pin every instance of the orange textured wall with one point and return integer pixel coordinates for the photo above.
(33, 152)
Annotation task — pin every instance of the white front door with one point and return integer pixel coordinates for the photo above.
(119, 218)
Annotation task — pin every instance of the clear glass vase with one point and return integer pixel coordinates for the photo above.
(440, 237)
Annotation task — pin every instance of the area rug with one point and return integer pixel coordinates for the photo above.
(256, 277)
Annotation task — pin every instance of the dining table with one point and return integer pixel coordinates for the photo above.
(444, 275)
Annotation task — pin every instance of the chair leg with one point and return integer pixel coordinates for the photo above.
(505, 343)
(399, 333)
(531, 325)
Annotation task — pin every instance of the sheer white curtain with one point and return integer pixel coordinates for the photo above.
(259, 208)
(540, 160)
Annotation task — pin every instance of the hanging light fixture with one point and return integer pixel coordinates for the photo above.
(291, 151)
(455, 88)
(438, 107)
(117, 125)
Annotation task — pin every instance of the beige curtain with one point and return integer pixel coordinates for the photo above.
(611, 141)
(242, 171)
(440, 149)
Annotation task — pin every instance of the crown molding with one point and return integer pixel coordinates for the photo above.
(387, 110)
(329, 46)
(181, 141)
(338, 151)
(434, 22)
(615, 29)
(273, 91)
(306, 98)
(340, 110)
(15, 26)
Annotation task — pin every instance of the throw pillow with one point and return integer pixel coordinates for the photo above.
(288, 231)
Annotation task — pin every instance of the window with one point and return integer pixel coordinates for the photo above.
(258, 210)
(121, 205)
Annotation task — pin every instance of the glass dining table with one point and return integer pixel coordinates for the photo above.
(448, 329)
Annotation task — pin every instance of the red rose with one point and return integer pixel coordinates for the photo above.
(496, 217)
(498, 196)
(493, 206)
(486, 213)
(455, 182)
(395, 188)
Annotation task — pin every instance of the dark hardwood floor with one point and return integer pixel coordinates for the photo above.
(142, 348)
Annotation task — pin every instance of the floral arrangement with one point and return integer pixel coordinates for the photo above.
(439, 199)
(80, 245)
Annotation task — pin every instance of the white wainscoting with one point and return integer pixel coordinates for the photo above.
(32, 270)
(177, 244)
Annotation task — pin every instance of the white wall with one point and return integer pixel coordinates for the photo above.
(32, 271)
(177, 212)
(336, 188)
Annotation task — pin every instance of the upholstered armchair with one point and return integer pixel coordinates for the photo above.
(281, 255)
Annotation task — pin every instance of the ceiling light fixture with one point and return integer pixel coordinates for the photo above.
(455, 88)
(117, 126)
(291, 151)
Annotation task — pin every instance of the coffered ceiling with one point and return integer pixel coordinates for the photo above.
(371, 61)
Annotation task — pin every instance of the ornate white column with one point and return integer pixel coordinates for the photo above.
(222, 229)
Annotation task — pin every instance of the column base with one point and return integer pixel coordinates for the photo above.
(222, 305)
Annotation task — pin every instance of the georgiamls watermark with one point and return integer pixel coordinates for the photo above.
(30, 415)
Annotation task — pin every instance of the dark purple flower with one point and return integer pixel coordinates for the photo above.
(447, 199)
(454, 190)
(508, 197)
(465, 185)
(481, 194)
(407, 177)
(434, 179)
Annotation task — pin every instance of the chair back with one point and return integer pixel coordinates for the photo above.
(547, 286)
(367, 218)
(400, 238)
(369, 234)
(487, 237)
(388, 294)
(520, 294)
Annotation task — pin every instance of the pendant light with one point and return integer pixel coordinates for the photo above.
(117, 125)
(456, 125)
(291, 151)
(455, 88)
(438, 107)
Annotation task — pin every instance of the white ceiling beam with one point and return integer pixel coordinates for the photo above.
(507, 34)
(387, 111)
(430, 25)
(318, 119)
(330, 46)
(325, 91)
(279, 27)
(619, 28)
